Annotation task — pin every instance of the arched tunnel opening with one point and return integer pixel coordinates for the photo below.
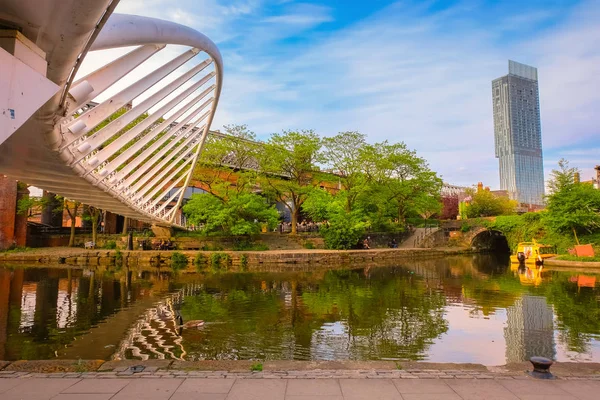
(491, 241)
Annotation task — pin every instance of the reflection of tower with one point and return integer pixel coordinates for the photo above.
(530, 329)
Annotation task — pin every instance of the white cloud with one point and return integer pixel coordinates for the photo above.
(426, 79)
(404, 73)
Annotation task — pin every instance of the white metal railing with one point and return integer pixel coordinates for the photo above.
(166, 130)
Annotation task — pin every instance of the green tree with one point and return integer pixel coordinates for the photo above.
(563, 177)
(239, 214)
(72, 208)
(228, 165)
(25, 205)
(402, 182)
(288, 163)
(575, 208)
(572, 207)
(485, 204)
(343, 229)
(343, 153)
(228, 171)
(92, 214)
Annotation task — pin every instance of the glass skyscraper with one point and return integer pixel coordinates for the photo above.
(518, 133)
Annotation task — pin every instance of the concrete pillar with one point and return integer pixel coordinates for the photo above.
(8, 211)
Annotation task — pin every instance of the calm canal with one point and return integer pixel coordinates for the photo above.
(459, 309)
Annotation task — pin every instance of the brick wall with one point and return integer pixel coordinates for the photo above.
(8, 206)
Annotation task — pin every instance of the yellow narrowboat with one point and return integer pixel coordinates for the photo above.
(532, 253)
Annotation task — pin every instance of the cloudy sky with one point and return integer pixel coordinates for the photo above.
(416, 71)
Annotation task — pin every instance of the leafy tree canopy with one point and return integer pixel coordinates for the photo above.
(288, 163)
(242, 213)
(485, 204)
(343, 230)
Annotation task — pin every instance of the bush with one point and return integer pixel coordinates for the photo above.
(200, 261)
(178, 261)
(111, 245)
(344, 232)
(118, 259)
(243, 262)
(215, 261)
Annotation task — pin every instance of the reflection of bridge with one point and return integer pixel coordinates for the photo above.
(155, 334)
(50, 139)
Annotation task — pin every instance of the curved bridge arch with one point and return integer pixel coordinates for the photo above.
(489, 240)
(130, 164)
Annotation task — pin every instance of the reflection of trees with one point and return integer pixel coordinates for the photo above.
(391, 315)
(66, 304)
(577, 311)
(243, 321)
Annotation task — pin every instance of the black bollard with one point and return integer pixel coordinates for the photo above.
(541, 368)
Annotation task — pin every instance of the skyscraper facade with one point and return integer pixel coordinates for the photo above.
(518, 133)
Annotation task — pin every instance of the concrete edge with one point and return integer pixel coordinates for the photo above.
(567, 369)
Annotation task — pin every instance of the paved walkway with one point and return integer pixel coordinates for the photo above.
(157, 387)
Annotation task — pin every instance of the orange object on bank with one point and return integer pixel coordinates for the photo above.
(584, 250)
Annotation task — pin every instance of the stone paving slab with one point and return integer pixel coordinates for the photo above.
(357, 388)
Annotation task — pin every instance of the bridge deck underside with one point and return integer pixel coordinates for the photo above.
(26, 157)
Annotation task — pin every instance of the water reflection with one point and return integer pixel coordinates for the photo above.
(457, 309)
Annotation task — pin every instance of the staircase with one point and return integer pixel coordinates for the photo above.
(418, 237)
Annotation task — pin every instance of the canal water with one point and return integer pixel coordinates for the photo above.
(476, 309)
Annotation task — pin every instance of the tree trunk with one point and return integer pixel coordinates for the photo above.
(73, 218)
(294, 221)
(72, 236)
(125, 225)
(94, 230)
(575, 234)
(95, 213)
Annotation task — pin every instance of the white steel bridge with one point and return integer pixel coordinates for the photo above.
(50, 139)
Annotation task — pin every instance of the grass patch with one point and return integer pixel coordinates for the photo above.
(398, 365)
(80, 366)
(211, 247)
(308, 245)
(256, 367)
(110, 245)
(178, 261)
(16, 250)
(249, 246)
(568, 257)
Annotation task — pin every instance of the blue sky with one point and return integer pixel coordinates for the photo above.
(412, 71)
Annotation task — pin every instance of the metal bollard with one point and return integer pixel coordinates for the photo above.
(541, 368)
